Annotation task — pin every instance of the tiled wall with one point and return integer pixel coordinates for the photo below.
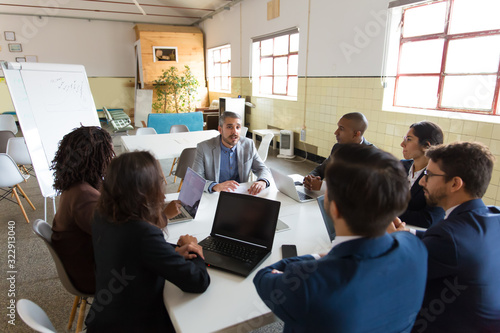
(329, 98)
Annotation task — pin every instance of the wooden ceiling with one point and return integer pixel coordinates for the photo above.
(172, 12)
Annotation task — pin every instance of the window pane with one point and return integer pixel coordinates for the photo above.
(473, 55)
(477, 15)
(417, 91)
(266, 85)
(421, 57)
(266, 47)
(469, 92)
(294, 43)
(216, 55)
(225, 55)
(293, 65)
(281, 45)
(280, 85)
(225, 83)
(224, 69)
(217, 70)
(292, 86)
(281, 66)
(433, 15)
(217, 83)
(266, 66)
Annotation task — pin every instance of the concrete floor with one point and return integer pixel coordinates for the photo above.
(36, 277)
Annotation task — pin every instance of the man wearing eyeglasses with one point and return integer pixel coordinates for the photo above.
(463, 281)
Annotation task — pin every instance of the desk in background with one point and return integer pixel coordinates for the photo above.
(231, 303)
(164, 146)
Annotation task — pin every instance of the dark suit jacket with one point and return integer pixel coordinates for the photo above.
(320, 169)
(463, 287)
(419, 213)
(133, 260)
(362, 285)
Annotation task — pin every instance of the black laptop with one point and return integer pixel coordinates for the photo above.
(242, 234)
(326, 218)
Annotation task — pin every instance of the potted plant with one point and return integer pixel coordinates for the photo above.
(175, 92)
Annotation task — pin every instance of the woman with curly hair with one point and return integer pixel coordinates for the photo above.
(129, 243)
(79, 166)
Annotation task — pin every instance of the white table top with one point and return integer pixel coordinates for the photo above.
(169, 145)
(231, 303)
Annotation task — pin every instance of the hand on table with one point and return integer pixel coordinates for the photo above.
(227, 186)
(187, 246)
(312, 183)
(257, 187)
(172, 209)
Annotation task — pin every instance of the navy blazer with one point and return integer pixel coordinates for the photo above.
(133, 260)
(320, 169)
(463, 287)
(419, 213)
(362, 285)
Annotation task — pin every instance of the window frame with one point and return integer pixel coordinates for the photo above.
(211, 72)
(447, 37)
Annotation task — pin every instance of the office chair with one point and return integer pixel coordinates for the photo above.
(8, 123)
(145, 131)
(4, 138)
(43, 230)
(185, 160)
(17, 149)
(264, 146)
(243, 132)
(34, 316)
(11, 177)
(177, 129)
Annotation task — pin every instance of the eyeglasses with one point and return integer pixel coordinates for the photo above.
(428, 174)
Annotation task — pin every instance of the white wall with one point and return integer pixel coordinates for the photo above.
(346, 36)
(106, 49)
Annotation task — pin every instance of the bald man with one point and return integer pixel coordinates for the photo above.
(351, 128)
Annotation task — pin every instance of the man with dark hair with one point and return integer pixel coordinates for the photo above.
(463, 283)
(351, 128)
(370, 281)
(227, 160)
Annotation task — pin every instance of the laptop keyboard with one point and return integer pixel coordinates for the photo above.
(179, 216)
(229, 249)
(303, 196)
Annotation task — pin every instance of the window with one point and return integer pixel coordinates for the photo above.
(275, 62)
(448, 56)
(219, 68)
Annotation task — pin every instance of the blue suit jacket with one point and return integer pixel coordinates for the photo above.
(419, 213)
(362, 285)
(463, 287)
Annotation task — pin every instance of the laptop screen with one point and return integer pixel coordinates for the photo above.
(326, 218)
(191, 191)
(246, 218)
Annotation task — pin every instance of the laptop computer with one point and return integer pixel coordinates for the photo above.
(190, 196)
(242, 234)
(326, 218)
(287, 186)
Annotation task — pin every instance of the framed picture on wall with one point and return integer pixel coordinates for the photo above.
(165, 53)
(9, 35)
(15, 47)
(20, 59)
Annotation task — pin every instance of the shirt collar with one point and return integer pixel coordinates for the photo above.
(448, 211)
(226, 149)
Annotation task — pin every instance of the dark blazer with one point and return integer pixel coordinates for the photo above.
(133, 260)
(463, 287)
(320, 169)
(362, 285)
(419, 213)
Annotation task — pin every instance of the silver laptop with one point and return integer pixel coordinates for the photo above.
(190, 196)
(287, 186)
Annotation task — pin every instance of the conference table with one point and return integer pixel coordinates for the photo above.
(164, 146)
(231, 303)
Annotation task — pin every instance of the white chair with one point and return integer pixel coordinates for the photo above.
(17, 149)
(264, 146)
(145, 131)
(34, 316)
(10, 177)
(243, 132)
(177, 129)
(5, 136)
(8, 123)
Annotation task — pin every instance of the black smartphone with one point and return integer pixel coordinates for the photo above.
(288, 251)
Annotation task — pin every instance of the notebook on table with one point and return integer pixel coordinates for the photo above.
(286, 185)
(242, 234)
(326, 218)
(190, 196)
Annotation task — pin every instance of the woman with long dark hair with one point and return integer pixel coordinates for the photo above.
(133, 260)
(419, 138)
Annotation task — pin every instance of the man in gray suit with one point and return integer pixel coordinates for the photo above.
(227, 160)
